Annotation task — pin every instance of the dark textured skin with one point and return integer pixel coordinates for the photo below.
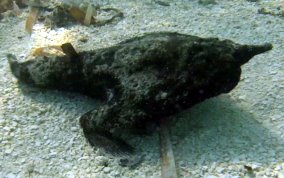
(141, 80)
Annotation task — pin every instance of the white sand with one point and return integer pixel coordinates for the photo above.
(39, 130)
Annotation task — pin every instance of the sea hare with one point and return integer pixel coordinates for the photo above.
(142, 80)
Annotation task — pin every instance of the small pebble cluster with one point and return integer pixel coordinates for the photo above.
(240, 134)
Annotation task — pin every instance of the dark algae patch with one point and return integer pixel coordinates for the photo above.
(142, 80)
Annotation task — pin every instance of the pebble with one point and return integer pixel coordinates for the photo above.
(281, 174)
(38, 143)
(220, 170)
(10, 175)
(2, 122)
(8, 151)
(47, 142)
(106, 170)
(83, 39)
(71, 175)
(242, 97)
(34, 127)
(6, 128)
(278, 168)
(52, 154)
(255, 166)
(73, 129)
(210, 176)
(101, 160)
(207, 2)
(115, 173)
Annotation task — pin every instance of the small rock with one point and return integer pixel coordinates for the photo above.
(162, 3)
(220, 170)
(273, 72)
(210, 176)
(164, 95)
(106, 170)
(101, 160)
(10, 175)
(115, 173)
(252, 167)
(83, 39)
(67, 165)
(204, 168)
(280, 175)
(242, 97)
(278, 168)
(225, 176)
(73, 129)
(2, 122)
(8, 151)
(33, 127)
(37, 144)
(47, 142)
(71, 175)
(52, 154)
(207, 2)
(7, 129)
(255, 166)
(30, 167)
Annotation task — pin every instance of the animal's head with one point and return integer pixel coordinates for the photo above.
(216, 65)
(219, 53)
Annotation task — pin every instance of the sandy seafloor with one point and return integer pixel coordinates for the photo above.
(39, 131)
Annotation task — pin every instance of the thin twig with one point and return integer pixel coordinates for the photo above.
(168, 166)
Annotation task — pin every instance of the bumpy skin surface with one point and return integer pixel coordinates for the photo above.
(142, 79)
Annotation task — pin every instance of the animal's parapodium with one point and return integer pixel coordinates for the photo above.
(141, 80)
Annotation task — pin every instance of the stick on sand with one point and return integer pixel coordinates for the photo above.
(168, 166)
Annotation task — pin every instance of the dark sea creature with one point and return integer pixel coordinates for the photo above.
(142, 80)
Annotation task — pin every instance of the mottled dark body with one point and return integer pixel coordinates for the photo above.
(142, 79)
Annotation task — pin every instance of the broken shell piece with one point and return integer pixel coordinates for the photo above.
(89, 15)
(69, 50)
(252, 167)
(82, 17)
(16, 9)
(56, 50)
(31, 19)
(62, 15)
(77, 14)
(48, 51)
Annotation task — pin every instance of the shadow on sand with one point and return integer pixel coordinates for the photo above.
(222, 131)
(219, 130)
